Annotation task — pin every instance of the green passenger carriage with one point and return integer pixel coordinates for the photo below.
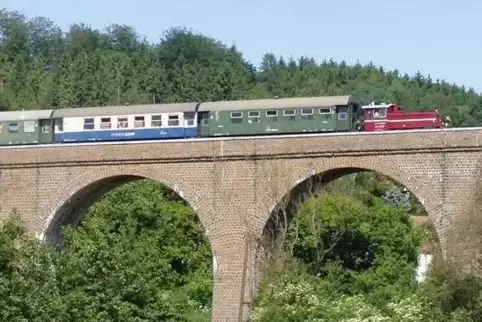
(26, 127)
(278, 116)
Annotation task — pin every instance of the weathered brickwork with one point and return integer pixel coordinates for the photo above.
(234, 184)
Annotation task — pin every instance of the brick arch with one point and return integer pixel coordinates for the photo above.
(99, 181)
(425, 192)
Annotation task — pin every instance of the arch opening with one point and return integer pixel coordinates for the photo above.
(142, 222)
(73, 210)
(334, 237)
(284, 211)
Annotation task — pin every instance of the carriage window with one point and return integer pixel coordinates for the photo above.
(289, 112)
(122, 122)
(173, 120)
(236, 115)
(271, 113)
(325, 111)
(307, 113)
(13, 127)
(189, 116)
(139, 121)
(156, 120)
(59, 124)
(105, 123)
(252, 114)
(89, 124)
(29, 126)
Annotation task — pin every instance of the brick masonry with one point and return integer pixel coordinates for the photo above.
(233, 185)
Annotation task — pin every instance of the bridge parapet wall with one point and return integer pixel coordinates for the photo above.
(218, 149)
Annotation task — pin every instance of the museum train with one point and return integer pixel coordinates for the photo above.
(207, 119)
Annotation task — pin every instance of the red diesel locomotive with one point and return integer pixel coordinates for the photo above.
(389, 117)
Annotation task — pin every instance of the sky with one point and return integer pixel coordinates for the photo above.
(437, 37)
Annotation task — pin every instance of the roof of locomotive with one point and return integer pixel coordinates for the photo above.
(276, 103)
(373, 105)
(25, 115)
(124, 110)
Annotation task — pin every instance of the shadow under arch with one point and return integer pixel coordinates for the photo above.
(70, 203)
(282, 212)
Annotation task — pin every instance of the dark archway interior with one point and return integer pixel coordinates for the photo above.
(284, 211)
(74, 209)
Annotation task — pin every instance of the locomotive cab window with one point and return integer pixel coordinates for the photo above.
(173, 120)
(139, 121)
(379, 113)
(89, 124)
(122, 122)
(13, 127)
(105, 123)
(156, 120)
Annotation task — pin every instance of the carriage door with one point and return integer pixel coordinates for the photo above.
(343, 122)
(45, 132)
(190, 126)
(204, 124)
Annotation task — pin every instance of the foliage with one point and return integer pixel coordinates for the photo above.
(397, 198)
(29, 290)
(139, 255)
(356, 247)
(304, 300)
(352, 258)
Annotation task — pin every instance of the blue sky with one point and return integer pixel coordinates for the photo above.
(441, 38)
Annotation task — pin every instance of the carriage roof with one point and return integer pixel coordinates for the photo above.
(276, 103)
(124, 110)
(25, 115)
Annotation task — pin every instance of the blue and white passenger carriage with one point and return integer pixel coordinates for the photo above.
(114, 123)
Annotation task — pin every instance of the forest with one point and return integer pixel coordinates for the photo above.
(140, 253)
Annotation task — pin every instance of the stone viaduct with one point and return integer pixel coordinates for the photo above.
(234, 184)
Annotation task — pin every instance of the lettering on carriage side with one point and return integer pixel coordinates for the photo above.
(123, 134)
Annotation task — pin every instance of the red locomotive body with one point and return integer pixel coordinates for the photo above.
(389, 117)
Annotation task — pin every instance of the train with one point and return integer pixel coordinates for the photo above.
(255, 117)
